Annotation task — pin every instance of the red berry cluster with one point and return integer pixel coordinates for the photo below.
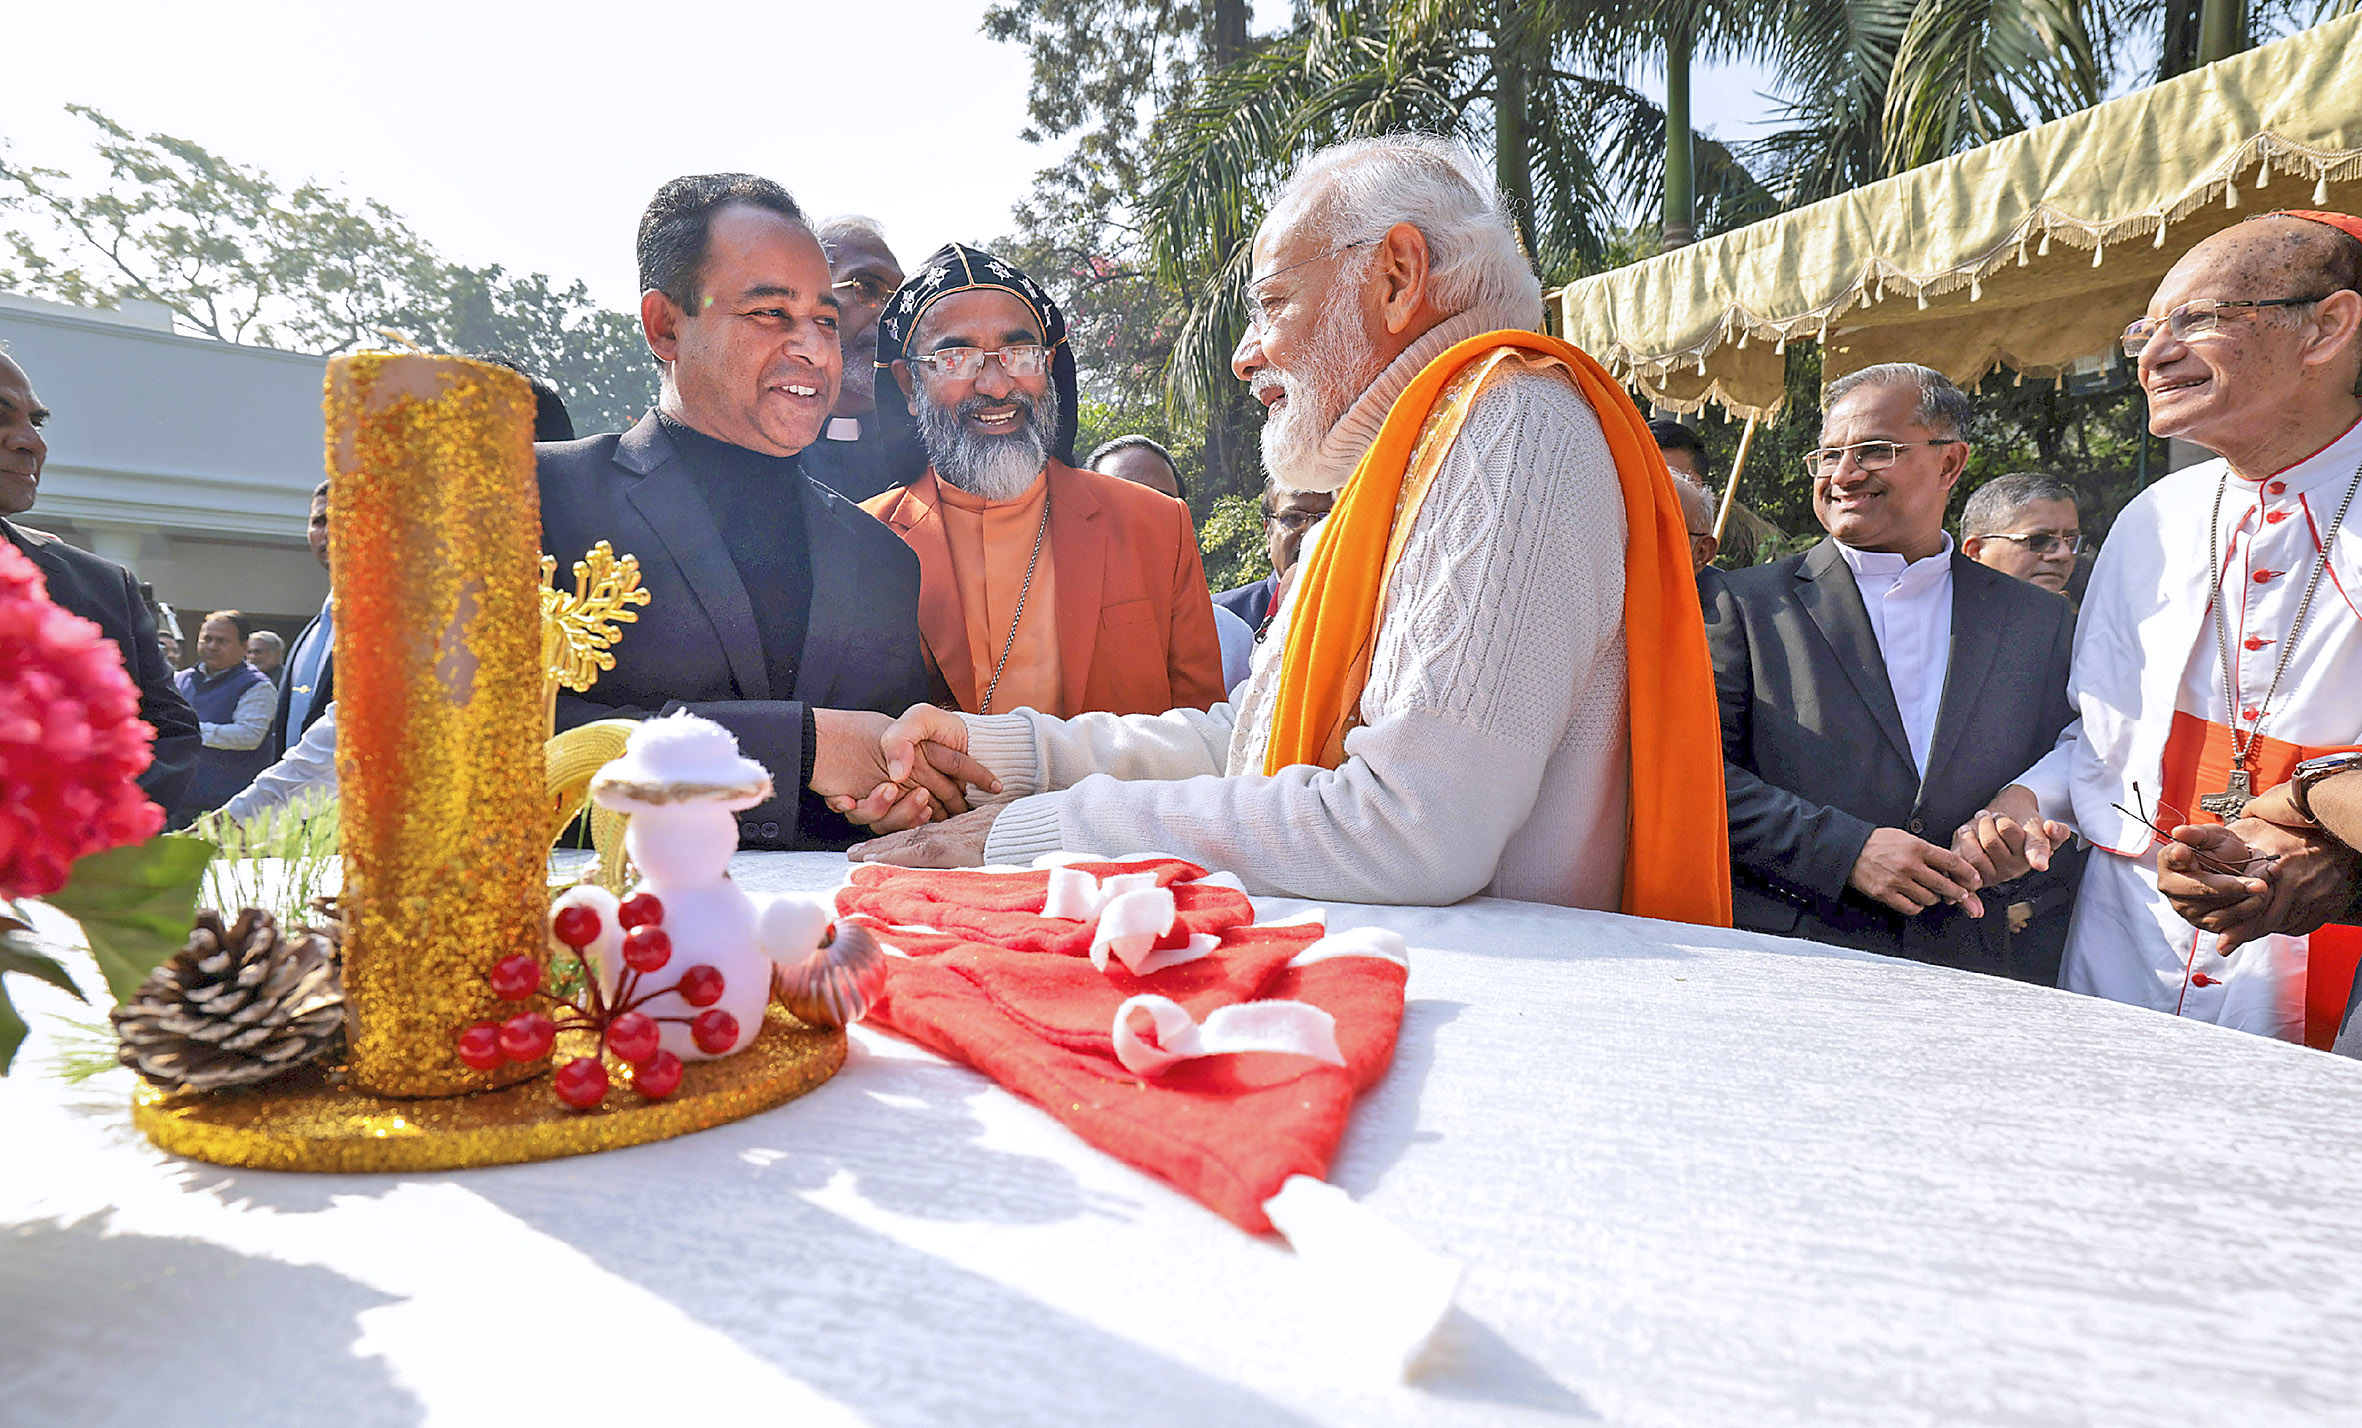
(627, 1032)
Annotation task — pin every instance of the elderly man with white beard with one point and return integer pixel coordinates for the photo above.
(1488, 673)
(1041, 586)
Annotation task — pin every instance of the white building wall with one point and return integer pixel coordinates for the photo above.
(189, 460)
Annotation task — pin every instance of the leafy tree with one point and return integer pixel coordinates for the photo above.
(1232, 538)
(1577, 152)
(1102, 70)
(596, 359)
(239, 256)
(2090, 435)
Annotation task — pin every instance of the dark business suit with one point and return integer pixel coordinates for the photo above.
(105, 593)
(856, 469)
(696, 644)
(1817, 757)
(1252, 603)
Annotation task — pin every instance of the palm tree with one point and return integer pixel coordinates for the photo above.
(1577, 150)
(1875, 87)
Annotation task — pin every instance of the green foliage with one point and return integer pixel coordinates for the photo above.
(1232, 538)
(19, 953)
(82, 1049)
(2091, 440)
(279, 860)
(135, 905)
(596, 359)
(1102, 70)
(1577, 150)
(239, 256)
(1101, 421)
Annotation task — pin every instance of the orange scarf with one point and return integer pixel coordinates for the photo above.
(1677, 847)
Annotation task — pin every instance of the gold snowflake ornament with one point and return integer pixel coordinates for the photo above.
(578, 629)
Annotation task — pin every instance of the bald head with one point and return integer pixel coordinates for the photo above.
(2266, 385)
(2300, 253)
(22, 449)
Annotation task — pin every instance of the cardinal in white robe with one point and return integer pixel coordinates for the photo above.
(2220, 640)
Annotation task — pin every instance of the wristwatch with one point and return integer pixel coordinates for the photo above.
(2302, 778)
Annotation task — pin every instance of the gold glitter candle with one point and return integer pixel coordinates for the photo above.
(439, 719)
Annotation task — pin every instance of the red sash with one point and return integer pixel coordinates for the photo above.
(2198, 762)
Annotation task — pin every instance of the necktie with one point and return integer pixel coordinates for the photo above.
(304, 671)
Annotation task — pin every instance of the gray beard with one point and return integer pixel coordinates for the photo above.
(858, 384)
(997, 468)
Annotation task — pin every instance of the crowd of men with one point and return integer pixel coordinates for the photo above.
(1502, 649)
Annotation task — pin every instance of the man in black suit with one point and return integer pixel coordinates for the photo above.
(1877, 690)
(779, 609)
(95, 588)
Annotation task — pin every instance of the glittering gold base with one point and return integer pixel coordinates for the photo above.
(307, 1123)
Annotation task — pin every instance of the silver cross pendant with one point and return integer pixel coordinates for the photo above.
(2235, 794)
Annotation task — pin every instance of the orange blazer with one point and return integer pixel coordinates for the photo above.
(1135, 619)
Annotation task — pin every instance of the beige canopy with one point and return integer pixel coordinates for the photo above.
(2028, 253)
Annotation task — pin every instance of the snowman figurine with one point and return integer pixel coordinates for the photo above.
(683, 782)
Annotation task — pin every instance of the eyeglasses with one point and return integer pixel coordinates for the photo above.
(1294, 520)
(958, 364)
(865, 290)
(1868, 455)
(2196, 319)
(1258, 313)
(2043, 542)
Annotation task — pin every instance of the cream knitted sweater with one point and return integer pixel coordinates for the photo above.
(1492, 754)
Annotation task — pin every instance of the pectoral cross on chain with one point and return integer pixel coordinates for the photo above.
(2236, 792)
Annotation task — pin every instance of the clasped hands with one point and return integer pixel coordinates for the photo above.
(1911, 875)
(897, 776)
(2270, 870)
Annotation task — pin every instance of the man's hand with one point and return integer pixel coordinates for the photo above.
(1912, 875)
(2010, 838)
(2216, 902)
(885, 787)
(953, 843)
(2310, 880)
(2277, 804)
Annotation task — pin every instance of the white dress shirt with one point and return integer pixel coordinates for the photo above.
(1910, 604)
(309, 766)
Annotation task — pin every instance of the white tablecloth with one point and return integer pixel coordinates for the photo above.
(1696, 1177)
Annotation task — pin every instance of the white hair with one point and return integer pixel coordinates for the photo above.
(843, 225)
(1358, 189)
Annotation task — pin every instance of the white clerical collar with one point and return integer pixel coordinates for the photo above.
(2332, 465)
(1891, 565)
(843, 429)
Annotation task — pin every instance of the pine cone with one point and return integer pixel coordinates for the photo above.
(237, 1005)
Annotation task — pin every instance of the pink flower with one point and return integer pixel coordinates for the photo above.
(72, 744)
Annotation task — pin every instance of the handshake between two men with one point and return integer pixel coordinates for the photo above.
(2274, 869)
(910, 780)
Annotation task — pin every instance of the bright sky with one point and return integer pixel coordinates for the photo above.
(531, 134)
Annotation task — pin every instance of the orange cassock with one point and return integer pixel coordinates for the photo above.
(1134, 621)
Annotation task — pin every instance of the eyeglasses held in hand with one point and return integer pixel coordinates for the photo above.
(2043, 542)
(2196, 319)
(1868, 455)
(958, 364)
